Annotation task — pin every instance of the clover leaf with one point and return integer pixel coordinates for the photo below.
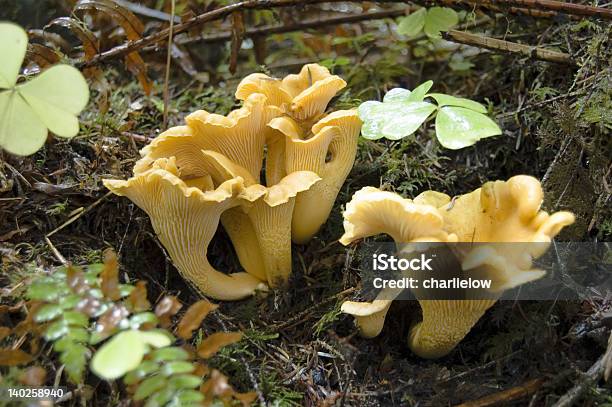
(431, 21)
(49, 102)
(459, 122)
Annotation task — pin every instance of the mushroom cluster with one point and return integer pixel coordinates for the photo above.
(499, 212)
(269, 172)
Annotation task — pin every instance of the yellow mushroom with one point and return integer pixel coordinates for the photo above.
(240, 136)
(266, 223)
(185, 219)
(499, 212)
(303, 96)
(329, 150)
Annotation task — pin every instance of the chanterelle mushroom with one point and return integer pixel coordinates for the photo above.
(498, 212)
(329, 151)
(303, 96)
(185, 219)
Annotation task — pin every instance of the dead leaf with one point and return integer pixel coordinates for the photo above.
(14, 357)
(91, 45)
(216, 386)
(168, 307)
(138, 297)
(33, 376)
(135, 64)
(110, 276)
(237, 37)
(42, 55)
(212, 343)
(193, 318)
(4, 332)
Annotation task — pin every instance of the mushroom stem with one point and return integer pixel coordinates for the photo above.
(445, 323)
(272, 226)
(244, 239)
(185, 220)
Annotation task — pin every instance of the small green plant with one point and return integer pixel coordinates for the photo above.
(430, 21)
(89, 316)
(50, 101)
(459, 122)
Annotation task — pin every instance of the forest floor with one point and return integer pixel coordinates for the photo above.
(298, 348)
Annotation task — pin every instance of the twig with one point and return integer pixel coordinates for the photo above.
(505, 396)
(537, 8)
(56, 252)
(217, 14)
(506, 46)
(168, 64)
(148, 12)
(78, 215)
(591, 376)
(304, 25)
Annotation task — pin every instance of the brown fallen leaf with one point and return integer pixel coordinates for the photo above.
(14, 357)
(212, 343)
(193, 318)
(110, 276)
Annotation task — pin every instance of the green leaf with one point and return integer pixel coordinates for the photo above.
(158, 338)
(412, 24)
(118, 356)
(418, 93)
(74, 358)
(12, 48)
(149, 386)
(144, 369)
(447, 100)
(56, 330)
(177, 367)
(48, 312)
(142, 318)
(76, 318)
(56, 96)
(21, 131)
(166, 354)
(393, 120)
(185, 381)
(189, 397)
(160, 398)
(439, 19)
(458, 127)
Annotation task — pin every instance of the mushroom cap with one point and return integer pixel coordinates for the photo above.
(330, 153)
(372, 211)
(303, 96)
(240, 136)
(185, 219)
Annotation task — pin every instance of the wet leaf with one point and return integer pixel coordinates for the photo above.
(14, 357)
(458, 127)
(131, 24)
(212, 343)
(447, 100)
(193, 318)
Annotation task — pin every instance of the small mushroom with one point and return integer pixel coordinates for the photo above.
(185, 219)
(498, 213)
(328, 151)
(303, 96)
